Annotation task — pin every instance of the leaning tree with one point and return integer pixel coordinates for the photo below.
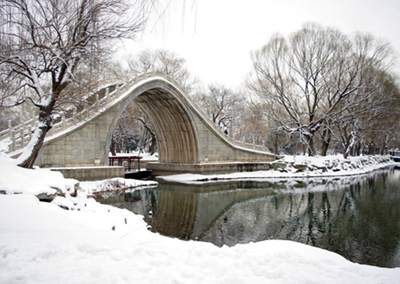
(43, 44)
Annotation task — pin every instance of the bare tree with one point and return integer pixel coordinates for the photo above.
(44, 43)
(165, 62)
(133, 130)
(221, 104)
(306, 81)
(368, 118)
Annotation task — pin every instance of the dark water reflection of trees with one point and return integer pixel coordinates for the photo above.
(357, 217)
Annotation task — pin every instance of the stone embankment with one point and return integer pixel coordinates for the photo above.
(298, 167)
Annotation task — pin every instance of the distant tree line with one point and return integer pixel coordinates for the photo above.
(317, 91)
(326, 89)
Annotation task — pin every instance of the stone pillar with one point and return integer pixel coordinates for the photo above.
(29, 133)
(96, 103)
(117, 90)
(21, 133)
(97, 145)
(12, 136)
(9, 128)
(63, 125)
(107, 95)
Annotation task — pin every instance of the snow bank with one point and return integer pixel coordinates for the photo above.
(298, 167)
(14, 179)
(103, 186)
(94, 243)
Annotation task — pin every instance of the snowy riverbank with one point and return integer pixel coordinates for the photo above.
(94, 243)
(298, 167)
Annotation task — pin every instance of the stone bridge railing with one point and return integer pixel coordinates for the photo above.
(18, 137)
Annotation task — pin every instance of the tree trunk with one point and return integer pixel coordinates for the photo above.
(371, 149)
(153, 144)
(112, 147)
(325, 142)
(310, 145)
(346, 146)
(357, 149)
(31, 152)
(153, 141)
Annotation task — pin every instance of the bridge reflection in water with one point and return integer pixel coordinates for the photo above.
(357, 217)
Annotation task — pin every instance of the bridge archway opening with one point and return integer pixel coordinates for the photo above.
(177, 138)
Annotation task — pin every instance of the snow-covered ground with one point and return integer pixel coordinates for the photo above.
(94, 243)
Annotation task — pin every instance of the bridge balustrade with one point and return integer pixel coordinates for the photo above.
(20, 135)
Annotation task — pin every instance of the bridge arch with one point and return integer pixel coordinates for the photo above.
(187, 141)
(167, 109)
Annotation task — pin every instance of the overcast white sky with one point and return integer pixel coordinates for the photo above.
(217, 36)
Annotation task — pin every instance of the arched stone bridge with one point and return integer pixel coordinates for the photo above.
(187, 141)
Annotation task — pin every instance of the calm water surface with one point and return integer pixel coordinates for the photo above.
(357, 217)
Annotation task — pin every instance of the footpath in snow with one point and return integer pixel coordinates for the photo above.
(93, 243)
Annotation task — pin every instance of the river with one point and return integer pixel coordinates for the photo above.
(357, 217)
